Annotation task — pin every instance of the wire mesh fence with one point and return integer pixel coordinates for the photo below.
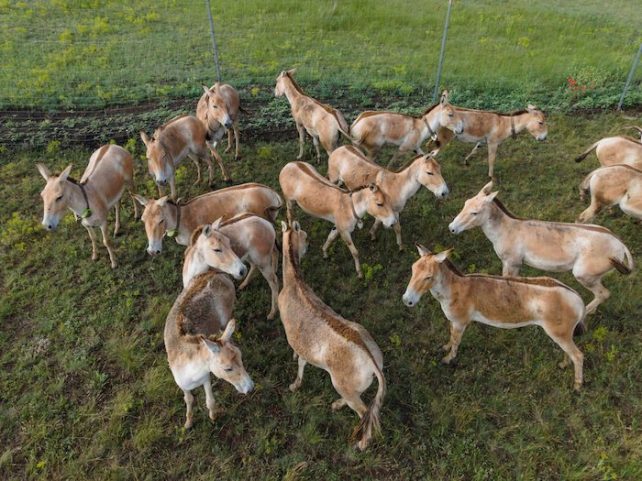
(87, 54)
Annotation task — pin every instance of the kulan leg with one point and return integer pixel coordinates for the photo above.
(172, 187)
(236, 139)
(269, 274)
(353, 250)
(510, 268)
(299, 375)
(289, 206)
(492, 154)
(397, 228)
(373, 229)
(92, 237)
(301, 130)
(209, 399)
(189, 403)
(590, 211)
(570, 349)
(229, 141)
(594, 284)
(107, 244)
(198, 168)
(334, 233)
(250, 275)
(472, 152)
(456, 332)
(117, 221)
(315, 141)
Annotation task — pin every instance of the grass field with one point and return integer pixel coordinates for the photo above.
(86, 393)
(69, 54)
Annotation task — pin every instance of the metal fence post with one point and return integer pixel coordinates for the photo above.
(634, 67)
(218, 67)
(442, 52)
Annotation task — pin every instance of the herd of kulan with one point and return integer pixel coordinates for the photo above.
(223, 228)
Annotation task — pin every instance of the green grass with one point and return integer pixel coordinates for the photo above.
(85, 391)
(62, 54)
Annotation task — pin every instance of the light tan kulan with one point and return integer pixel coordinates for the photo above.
(249, 236)
(493, 128)
(317, 196)
(321, 121)
(160, 216)
(348, 166)
(608, 186)
(504, 302)
(616, 150)
(218, 109)
(109, 172)
(194, 343)
(323, 338)
(171, 143)
(588, 251)
(372, 130)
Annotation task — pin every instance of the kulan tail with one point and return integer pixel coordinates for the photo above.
(369, 425)
(272, 211)
(623, 266)
(585, 185)
(582, 156)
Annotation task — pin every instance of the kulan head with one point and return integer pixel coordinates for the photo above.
(295, 235)
(55, 196)
(449, 116)
(425, 272)
(536, 123)
(475, 212)
(279, 89)
(430, 176)
(225, 360)
(156, 218)
(216, 250)
(159, 163)
(216, 106)
(378, 204)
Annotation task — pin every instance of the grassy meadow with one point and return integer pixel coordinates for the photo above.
(86, 393)
(70, 54)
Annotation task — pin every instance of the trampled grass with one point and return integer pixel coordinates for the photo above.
(86, 392)
(70, 54)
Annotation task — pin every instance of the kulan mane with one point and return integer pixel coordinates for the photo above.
(503, 208)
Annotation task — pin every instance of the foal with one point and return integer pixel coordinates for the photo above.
(349, 166)
(505, 302)
(373, 130)
(493, 128)
(322, 122)
(589, 251)
(109, 172)
(194, 346)
(250, 237)
(323, 338)
(615, 184)
(317, 196)
(218, 109)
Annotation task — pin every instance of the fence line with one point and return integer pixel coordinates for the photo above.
(634, 67)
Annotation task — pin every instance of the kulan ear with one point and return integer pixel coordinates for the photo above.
(531, 107)
(487, 188)
(162, 201)
(44, 171)
(206, 90)
(65, 173)
(444, 97)
(379, 177)
(292, 71)
(141, 200)
(212, 346)
(217, 223)
(423, 251)
(217, 88)
(284, 226)
(144, 138)
(442, 256)
(229, 330)
(207, 230)
(296, 226)
(490, 197)
(373, 187)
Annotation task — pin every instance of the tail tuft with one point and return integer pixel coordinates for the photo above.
(580, 158)
(620, 266)
(580, 328)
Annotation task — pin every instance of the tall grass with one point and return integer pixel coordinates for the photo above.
(64, 53)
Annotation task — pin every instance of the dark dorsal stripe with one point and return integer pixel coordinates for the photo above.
(226, 189)
(238, 218)
(503, 208)
(536, 281)
(495, 112)
(331, 318)
(625, 166)
(430, 109)
(631, 139)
